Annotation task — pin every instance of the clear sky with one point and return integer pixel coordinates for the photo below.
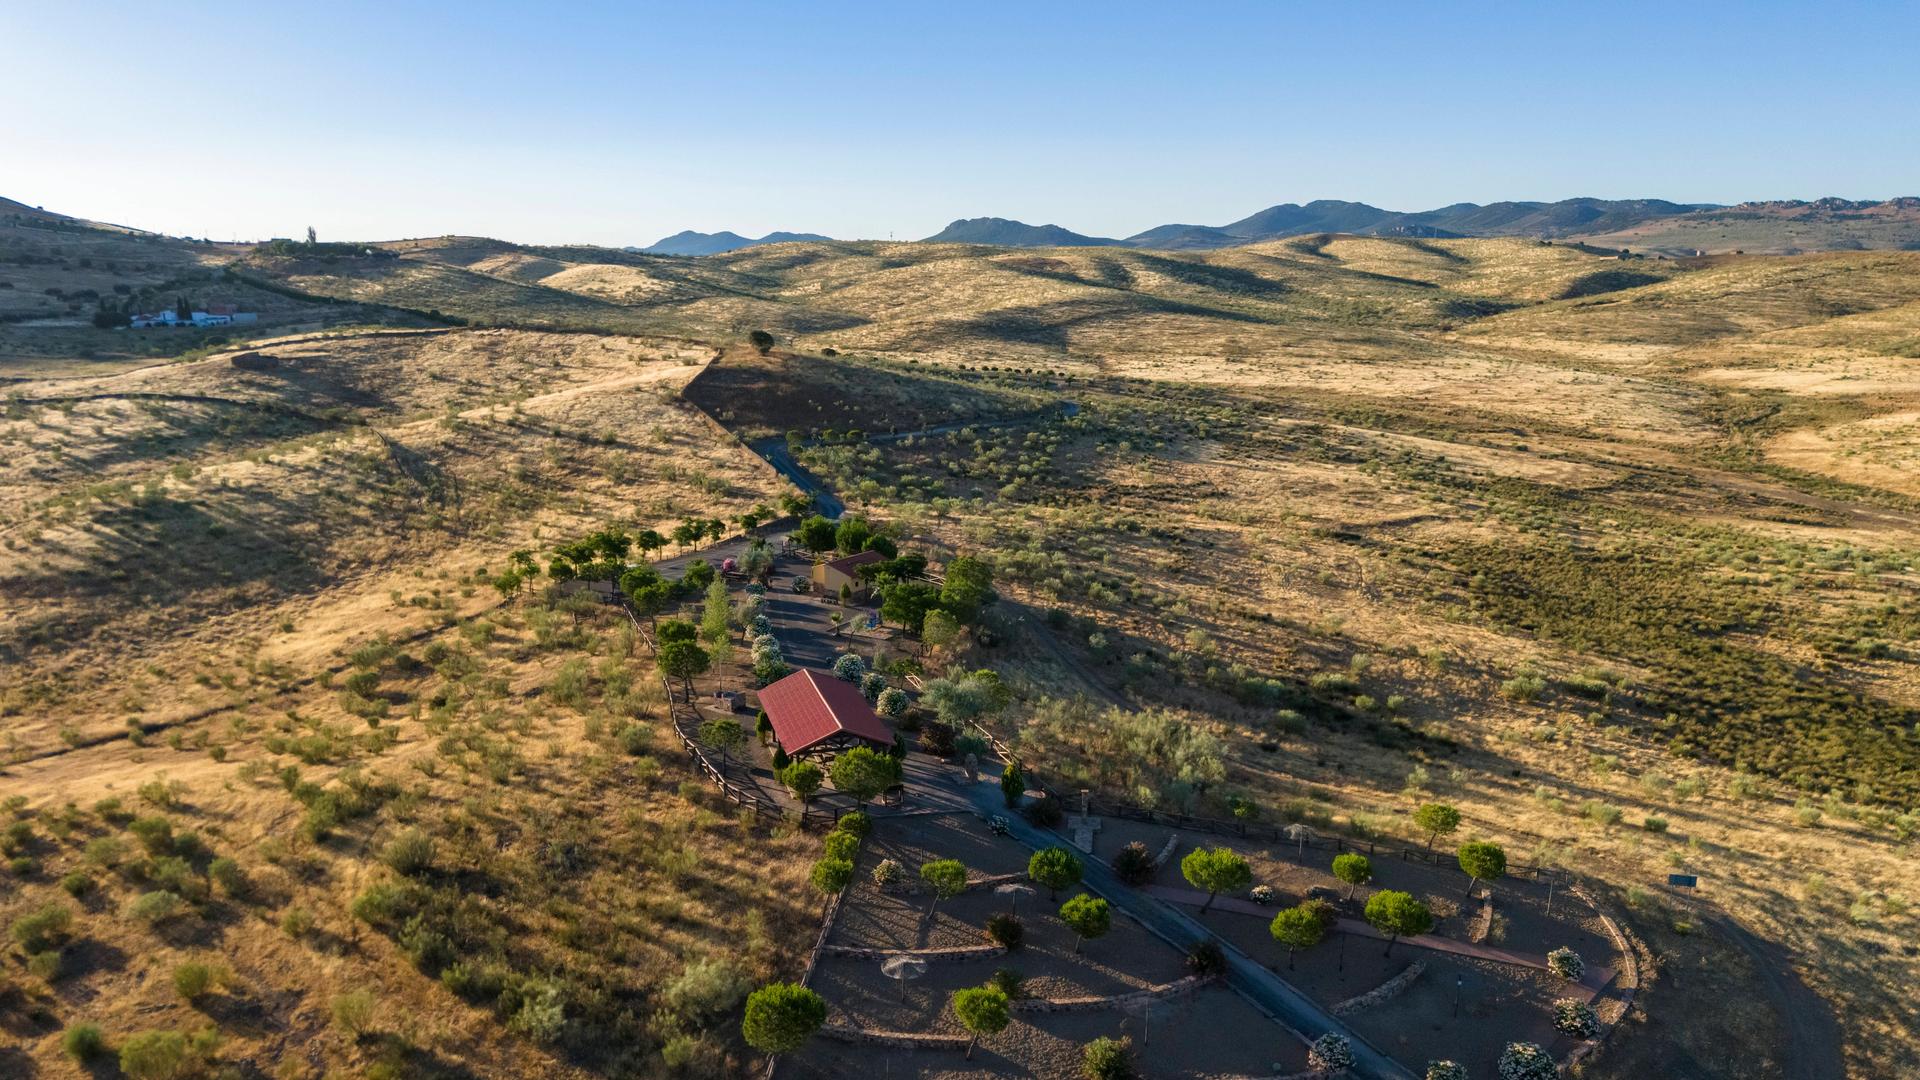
(620, 123)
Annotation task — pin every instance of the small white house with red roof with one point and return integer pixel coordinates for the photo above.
(816, 714)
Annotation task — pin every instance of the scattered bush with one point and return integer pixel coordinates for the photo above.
(353, 1012)
(1575, 1018)
(83, 1042)
(42, 929)
(1108, 1058)
(1566, 963)
(1446, 1070)
(192, 980)
(1330, 1053)
(1005, 930)
(888, 875)
(409, 854)
(155, 1055)
(1134, 864)
(1526, 1061)
(157, 907)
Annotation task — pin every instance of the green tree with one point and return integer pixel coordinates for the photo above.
(1013, 784)
(1482, 861)
(1397, 913)
(763, 726)
(803, 779)
(983, 1010)
(781, 1017)
(1056, 868)
(967, 588)
(1216, 870)
(831, 874)
(724, 734)
(850, 537)
(716, 617)
(757, 561)
(649, 541)
(1353, 868)
(83, 1042)
(1297, 928)
(1436, 820)
(939, 629)
(1088, 916)
(683, 660)
(907, 603)
(862, 773)
(816, 534)
(948, 877)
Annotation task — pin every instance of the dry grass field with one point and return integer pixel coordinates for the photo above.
(1616, 555)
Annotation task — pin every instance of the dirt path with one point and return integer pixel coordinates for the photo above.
(1813, 1036)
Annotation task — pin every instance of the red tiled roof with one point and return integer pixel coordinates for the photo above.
(846, 563)
(806, 707)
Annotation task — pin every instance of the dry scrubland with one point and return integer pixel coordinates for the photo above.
(1570, 541)
(244, 600)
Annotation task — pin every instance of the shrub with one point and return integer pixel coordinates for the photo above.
(227, 874)
(1261, 894)
(1045, 812)
(353, 1011)
(1566, 963)
(1446, 1070)
(1010, 982)
(831, 875)
(1056, 868)
(1330, 1053)
(1108, 1058)
(77, 883)
(888, 875)
(849, 667)
(1005, 930)
(1575, 1018)
(155, 1055)
(840, 845)
(937, 738)
(44, 966)
(1206, 958)
(296, 922)
(83, 1042)
(157, 907)
(42, 929)
(781, 1017)
(1526, 1061)
(409, 854)
(705, 989)
(1524, 687)
(892, 704)
(154, 833)
(1134, 864)
(855, 823)
(543, 1014)
(192, 980)
(1656, 824)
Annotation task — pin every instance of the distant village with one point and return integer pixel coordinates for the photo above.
(215, 315)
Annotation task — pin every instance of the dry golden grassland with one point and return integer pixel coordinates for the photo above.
(252, 600)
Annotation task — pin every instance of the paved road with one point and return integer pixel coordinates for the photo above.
(1264, 988)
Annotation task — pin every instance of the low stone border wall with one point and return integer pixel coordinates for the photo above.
(1630, 963)
(932, 956)
(991, 881)
(1383, 993)
(1173, 844)
(1117, 1001)
(904, 1040)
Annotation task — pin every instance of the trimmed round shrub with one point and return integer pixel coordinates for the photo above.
(1566, 963)
(1526, 1061)
(1005, 930)
(891, 703)
(831, 875)
(1261, 894)
(1330, 1052)
(1134, 864)
(782, 1017)
(871, 686)
(1446, 1070)
(850, 667)
(1576, 1018)
(1108, 1058)
(842, 845)
(856, 823)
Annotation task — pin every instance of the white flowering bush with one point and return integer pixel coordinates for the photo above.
(1526, 1061)
(1262, 894)
(1330, 1052)
(892, 703)
(871, 684)
(888, 875)
(1566, 963)
(1446, 1070)
(1575, 1018)
(849, 666)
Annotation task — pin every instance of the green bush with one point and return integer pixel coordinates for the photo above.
(155, 1055)
(353, 1012)
(409, 854)
(157, 907)
(83, 1042)
(1108, 1058)
(42, 929)
(192, 980)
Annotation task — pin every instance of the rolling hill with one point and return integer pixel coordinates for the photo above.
(1005, 232)
(699, 243)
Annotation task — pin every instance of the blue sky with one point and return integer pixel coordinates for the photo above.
(620, 123)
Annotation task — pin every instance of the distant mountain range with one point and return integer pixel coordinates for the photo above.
(700, 243)
(1655, 224)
